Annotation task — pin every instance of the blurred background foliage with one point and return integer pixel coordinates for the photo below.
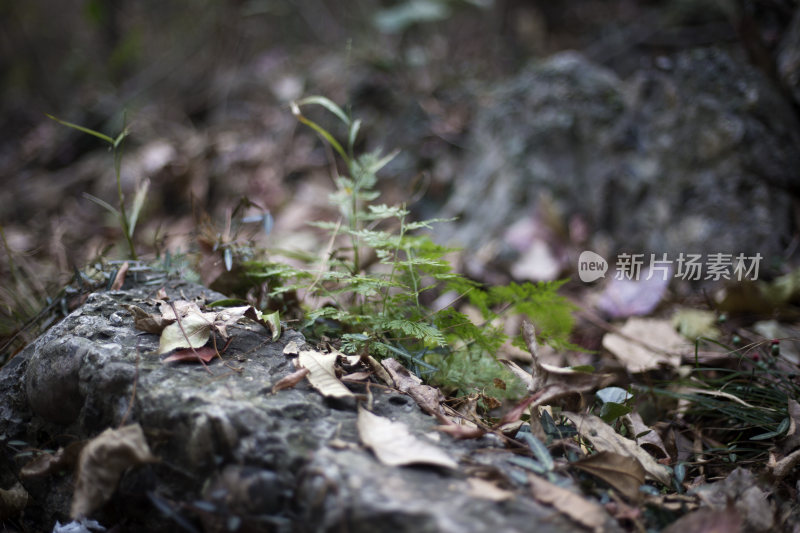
(205, 87)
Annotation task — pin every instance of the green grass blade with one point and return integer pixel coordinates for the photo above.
(327, 104)
(101, 203)
(321, 131)
(138, 202)
(97, 134)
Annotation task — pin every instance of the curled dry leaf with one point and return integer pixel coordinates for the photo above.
(604, 438)
(394, 445)
(427, 397)
(622, 472)
(322, 374)
(64, 459)
(119, 279)
(649, 440)
(101, 464)
(379, 371)
(149, 322)
(578, 508)
(291, 380)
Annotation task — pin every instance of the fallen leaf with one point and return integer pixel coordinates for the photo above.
(460, 431)
(291, 348)
(663, 345)
(707, 520)
(101, 464)
(486, 490)
(604, 438)
(149, 322)
(188, 355)
(193, 331)
(119, 279)
(291, 380)
(381, 372)
(427, 397)
(322, 374)
(647, 438)
(64, 459)
(742, 489)
(394, 445)
(623, 472)
(356, 376)
(578, 508)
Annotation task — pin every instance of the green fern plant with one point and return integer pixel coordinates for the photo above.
(376, 278)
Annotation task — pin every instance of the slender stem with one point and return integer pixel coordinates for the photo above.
(123, 216)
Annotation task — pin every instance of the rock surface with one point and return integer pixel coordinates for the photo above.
(233, 456)
(696, 156)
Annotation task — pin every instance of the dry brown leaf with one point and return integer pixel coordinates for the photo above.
(291, 348)
(707, 520)
(356, 376)
(427, 397)
(101, 464)
(577, 507)
(644, 344)
(622, 472)
(604, 438)
(119, 279)
(192, 331)
(188, 355)
(394, 444)
(381, 372)
(291, 380)
(322, 374)
(64, 459)
(651, 440)
(486, 490)
(459, 431)
(151, 323)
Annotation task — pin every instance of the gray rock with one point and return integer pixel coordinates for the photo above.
(232, 456)
(700, 156)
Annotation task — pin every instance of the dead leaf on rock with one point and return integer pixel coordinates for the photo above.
(623, 472)
(193, 331)
(578, 508)
(291, 349)
(394, 445)
(64, 459)
(322, 374)
(644, 344)
(188, 355)
(119, 279)
(149, 322)
(291, 380)
(604, 438)
(486, 490)
(101, 464)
